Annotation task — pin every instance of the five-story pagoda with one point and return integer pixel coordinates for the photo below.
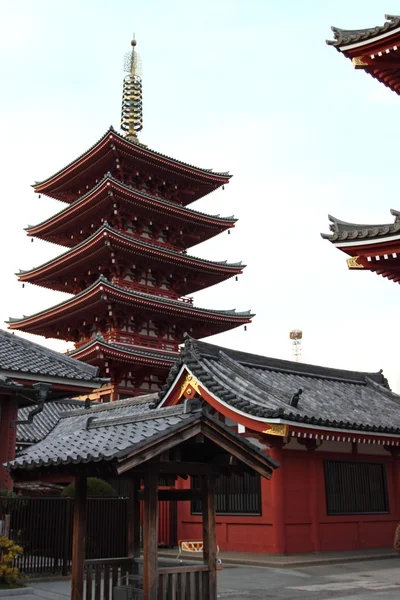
(127, 228)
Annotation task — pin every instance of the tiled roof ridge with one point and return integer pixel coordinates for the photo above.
(110, 406)
(107, 227)
(151, 414)
(109, 177)
(277, 364)
(342, 230)
(28, 433)
(134, 293)
(344, 37)
(91, 372)
(112, 131)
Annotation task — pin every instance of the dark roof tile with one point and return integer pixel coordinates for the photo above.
(264, 386)
(19, 355)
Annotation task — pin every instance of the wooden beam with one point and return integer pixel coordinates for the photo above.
(133, 523)
(209, 534)
(158, 447)
(150, 536)
(79, 538)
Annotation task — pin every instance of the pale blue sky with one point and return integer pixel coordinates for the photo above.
(248, 86)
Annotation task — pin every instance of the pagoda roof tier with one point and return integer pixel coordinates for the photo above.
(106, 244)
(193, 182)
(371, 247)
(101, 300)
(87, 211)
(376, 50)
(97, 350)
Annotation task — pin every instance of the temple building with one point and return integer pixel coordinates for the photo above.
(127, 228)
(334, 433)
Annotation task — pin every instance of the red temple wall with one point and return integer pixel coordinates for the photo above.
(8, 413)
(300, 524)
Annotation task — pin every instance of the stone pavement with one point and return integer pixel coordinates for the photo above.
(363, 580)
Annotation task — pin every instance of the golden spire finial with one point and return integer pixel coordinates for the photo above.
(132, 107)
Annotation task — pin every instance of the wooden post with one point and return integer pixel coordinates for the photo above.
(209, 534)
(134, 523)
(150, 535)
(79, 538)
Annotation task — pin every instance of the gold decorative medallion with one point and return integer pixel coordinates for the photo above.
(353, 263)
(277, 429)
(189, 387)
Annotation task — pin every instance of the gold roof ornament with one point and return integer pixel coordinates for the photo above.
(132, 105)
(353, 263)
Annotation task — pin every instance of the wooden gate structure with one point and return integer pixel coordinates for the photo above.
(144, 446)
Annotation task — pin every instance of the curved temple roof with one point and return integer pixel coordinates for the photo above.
(141, 355)
(53, 184)
(375, 50)
(105, 234)
(263, 387)
(345, 37)
(109, 183)
(343, 231)
(98, 292)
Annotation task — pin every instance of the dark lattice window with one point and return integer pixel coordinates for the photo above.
(235, 495)
(355, 488)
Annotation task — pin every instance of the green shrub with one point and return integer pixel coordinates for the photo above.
(96, 488)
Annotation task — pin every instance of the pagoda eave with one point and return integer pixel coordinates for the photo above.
(100, 249)
(62, 184)
(101, 300)
(96, 351)
(83, 214)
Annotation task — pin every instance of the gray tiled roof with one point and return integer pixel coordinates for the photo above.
(19, 355)
(43, 422)
(343, 231)
(107, 433)
(344, 37)
(263, 387)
